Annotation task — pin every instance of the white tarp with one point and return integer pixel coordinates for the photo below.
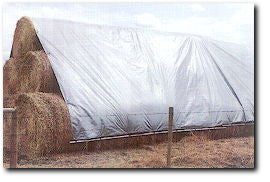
(121, 80)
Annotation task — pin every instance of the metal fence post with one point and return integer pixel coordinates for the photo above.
(170, 135)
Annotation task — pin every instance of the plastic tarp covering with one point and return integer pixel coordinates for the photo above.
(119, 81)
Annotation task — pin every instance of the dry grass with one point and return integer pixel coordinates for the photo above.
(189, 152)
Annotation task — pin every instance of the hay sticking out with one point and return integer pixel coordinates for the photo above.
(44, 124)
(25, 38)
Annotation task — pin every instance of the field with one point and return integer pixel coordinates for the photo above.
(189, 152)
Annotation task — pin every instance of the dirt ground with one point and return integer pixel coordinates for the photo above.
(190, 152)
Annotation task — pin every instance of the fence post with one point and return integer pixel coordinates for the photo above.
(13, 141)
(170, 134)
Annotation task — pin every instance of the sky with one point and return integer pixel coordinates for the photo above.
(230, 22)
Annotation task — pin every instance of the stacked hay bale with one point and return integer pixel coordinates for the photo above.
(36, 74)
(30, 86)
(31, 73)
(44, 123)
(10, 77)
(25, 38)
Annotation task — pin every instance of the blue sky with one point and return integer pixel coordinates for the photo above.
(231, 22)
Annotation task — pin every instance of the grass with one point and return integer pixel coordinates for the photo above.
(189, 152)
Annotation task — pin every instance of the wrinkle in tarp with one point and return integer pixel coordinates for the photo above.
(118, 81)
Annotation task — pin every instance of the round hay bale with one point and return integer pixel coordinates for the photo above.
(10, 74)
(25, 38)
(9, 101)
(44, 124)
(36, 74)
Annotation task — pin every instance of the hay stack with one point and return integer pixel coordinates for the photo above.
(44, 125)
(25, 38)
(28, 69)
